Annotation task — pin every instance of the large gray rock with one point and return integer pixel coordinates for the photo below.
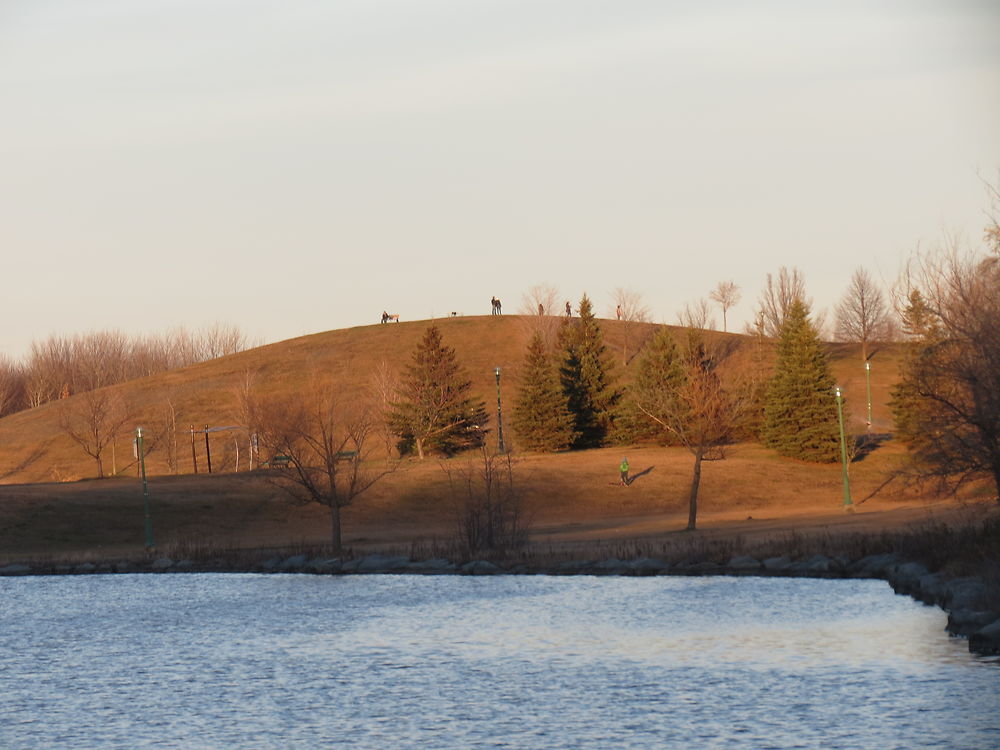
(986, 640)
(905, 578)
(434, 566)
(965, 593)
(648, 566)
(15, 570)
(162, 563)
(612, 567)
(821, 565)
(325, 566)
(967, 622)
(481, 568)
(382, 564)
(744, 564)
(697, 568)
(874, 566)
(293, 564)
(573, 567)
(271, 564)
(777, 564)
(931, 589)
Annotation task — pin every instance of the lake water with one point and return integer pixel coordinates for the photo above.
(253, 661)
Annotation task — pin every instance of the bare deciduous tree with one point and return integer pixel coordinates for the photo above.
(947, 404)
(93, 420)
(705, 410)
(65, 365)
(777, 297)
(488, 506)
(165, 431)
(862, 314)
(325, 445)
(541, 299)
(633, 313)
(697, 315)
(726, 294)
(12, 395)
(383, 387)
(539, 313)
(246, 414)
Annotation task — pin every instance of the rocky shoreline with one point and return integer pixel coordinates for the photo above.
(972, 612)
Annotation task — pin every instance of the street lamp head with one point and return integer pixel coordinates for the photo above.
(836, 390)
(868, 365)
(497, 370)
(138, 432)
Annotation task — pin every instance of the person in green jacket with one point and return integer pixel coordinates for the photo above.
(623, 468)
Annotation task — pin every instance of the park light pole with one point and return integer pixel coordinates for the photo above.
(868, 382)
(848, 505)
(500, 446)
(140, 450)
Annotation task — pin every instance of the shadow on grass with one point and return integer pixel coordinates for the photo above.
(864, 445)
(642, 473)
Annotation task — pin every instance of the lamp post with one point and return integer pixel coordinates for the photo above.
(145, 487)
(848, 505)
(868, 382)
(500, 446)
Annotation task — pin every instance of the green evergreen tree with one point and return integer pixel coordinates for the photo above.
(909, 403)
(586, 378)
(800, 413)
(436, 410)
(658, 375)
(541, 416)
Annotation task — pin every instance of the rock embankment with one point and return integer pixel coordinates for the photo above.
(972, 612)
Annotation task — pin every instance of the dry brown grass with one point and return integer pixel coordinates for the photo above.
(47, 507)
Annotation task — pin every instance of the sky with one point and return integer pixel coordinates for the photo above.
(298, 166)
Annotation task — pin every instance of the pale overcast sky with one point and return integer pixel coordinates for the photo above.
(297, 166)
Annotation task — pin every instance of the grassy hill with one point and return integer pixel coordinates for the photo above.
(48, 504)
(33, 447)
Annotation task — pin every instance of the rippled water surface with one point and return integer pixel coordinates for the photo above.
(405, 661)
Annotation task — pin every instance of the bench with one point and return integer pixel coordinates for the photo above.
(278, 462)
(346, 455)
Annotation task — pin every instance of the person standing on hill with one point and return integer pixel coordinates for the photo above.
(623, 468)
(499, 310)
(569, 310)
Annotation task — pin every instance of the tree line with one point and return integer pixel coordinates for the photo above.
(60, 366)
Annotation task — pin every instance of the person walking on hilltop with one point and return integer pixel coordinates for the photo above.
(618, 312)
(623, 469)
(493, 305)
(569, 310)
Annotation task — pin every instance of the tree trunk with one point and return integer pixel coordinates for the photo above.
(100, 467)
(335, 542)
(420, 447)
(693, 497)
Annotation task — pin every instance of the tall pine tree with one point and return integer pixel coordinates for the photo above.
(541, 416)
(586, 378)
(800, 413)
(436, 410)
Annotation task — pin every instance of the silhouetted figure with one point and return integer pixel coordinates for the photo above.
(541, 310)
(569, 310)
(385, 316)
(618, 312)
(499, 309)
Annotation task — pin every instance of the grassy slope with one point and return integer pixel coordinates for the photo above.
(570, 496)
